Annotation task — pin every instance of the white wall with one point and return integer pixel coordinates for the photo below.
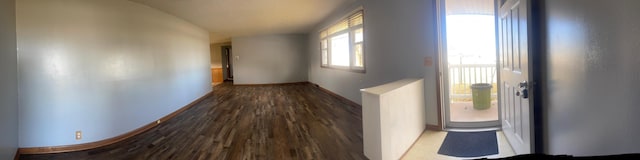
(103, 67)
(592, 83)
(398, 36)
(270, 59)
(8, 81)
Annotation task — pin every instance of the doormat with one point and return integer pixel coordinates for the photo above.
(469, 144)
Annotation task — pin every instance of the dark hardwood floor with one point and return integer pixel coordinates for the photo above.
(293, 121)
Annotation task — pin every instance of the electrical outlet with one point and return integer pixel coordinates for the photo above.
(78, 135)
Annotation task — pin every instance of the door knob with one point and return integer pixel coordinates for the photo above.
(523, 84)
(524, 94)
(524, 90)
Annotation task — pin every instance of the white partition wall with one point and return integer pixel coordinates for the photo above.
(394, 117)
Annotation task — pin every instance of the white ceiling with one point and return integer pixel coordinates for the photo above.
(231, 18)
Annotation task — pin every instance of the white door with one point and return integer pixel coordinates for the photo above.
(514, 71)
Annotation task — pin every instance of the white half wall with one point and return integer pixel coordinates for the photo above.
(393, 118)
(103, 67)
(270, 59)
(8, 81)
(399, 35)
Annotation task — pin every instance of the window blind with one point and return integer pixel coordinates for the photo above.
(355, 19)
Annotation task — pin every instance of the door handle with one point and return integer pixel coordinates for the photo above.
(524, 90)
(523, 84)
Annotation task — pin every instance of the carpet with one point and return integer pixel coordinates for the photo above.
(469, 144)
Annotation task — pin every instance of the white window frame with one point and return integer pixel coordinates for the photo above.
(351, 29)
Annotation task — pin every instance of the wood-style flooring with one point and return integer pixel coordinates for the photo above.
(293, 121)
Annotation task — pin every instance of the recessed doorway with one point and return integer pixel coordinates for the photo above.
(468, 63)
(227, 63)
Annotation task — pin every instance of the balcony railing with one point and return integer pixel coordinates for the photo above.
(462, 76)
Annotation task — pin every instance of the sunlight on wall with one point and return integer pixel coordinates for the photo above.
(116, 67)
(57, 65)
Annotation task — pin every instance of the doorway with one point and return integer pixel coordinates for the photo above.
(468, 60)
(227, 63)
(516, 66)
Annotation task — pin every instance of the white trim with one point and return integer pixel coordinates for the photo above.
(444, 76)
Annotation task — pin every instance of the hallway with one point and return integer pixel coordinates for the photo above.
(294, 121)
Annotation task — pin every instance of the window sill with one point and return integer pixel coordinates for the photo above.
(345, 69)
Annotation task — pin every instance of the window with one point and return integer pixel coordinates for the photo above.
(341, 44)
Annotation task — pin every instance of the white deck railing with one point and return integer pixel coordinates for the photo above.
(462, 76)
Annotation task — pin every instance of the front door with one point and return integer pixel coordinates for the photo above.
(514, 71)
